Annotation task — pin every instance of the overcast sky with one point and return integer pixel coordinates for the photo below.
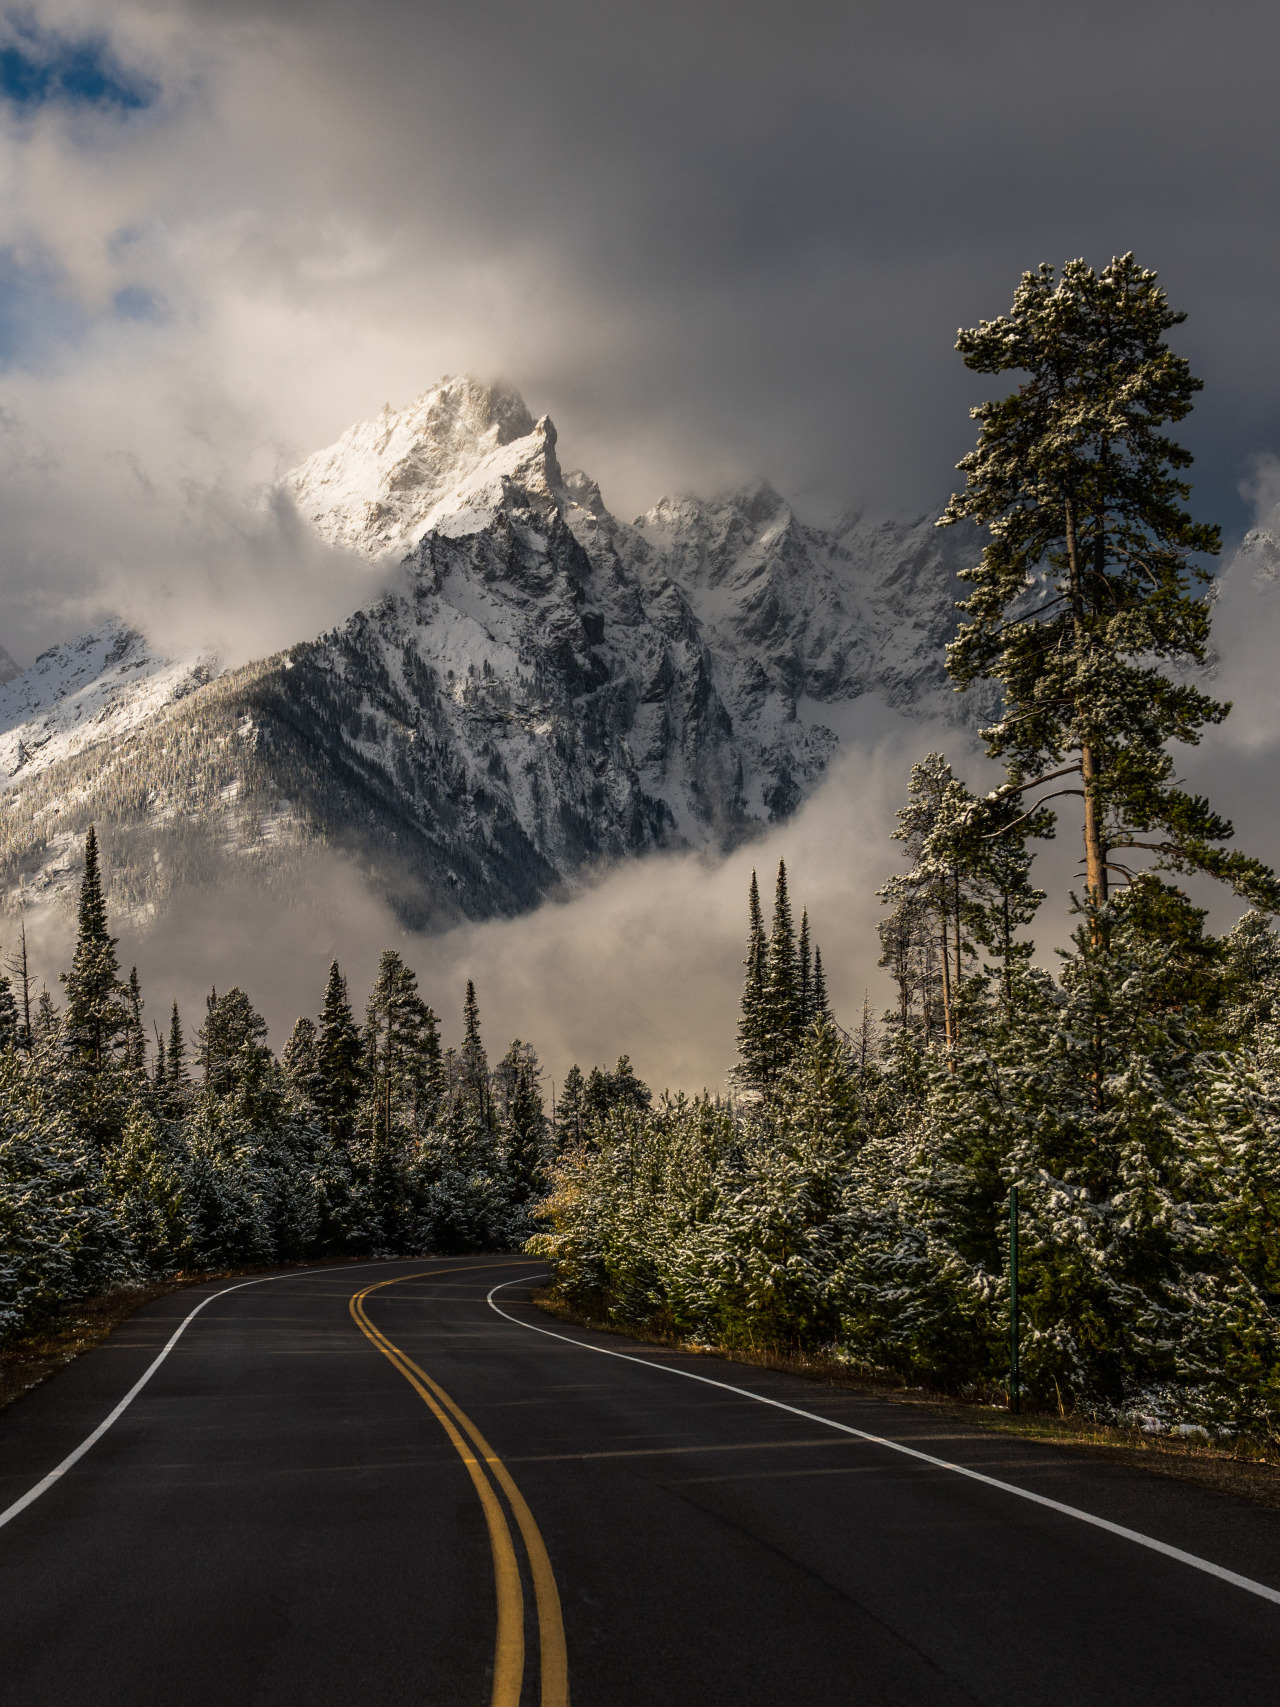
(714, 241)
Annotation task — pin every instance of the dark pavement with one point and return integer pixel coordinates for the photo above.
(278, 1518)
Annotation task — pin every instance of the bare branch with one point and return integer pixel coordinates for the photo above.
(1021, 787)
(1057, 794)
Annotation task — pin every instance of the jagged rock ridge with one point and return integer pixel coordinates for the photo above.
(549, 689)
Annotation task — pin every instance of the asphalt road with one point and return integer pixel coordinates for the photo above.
(415, 1500)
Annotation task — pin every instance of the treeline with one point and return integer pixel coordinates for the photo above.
(854, 1200)
(126, 1156)
(857, 1198)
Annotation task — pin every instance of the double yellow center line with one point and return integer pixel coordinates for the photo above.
(482, 1464)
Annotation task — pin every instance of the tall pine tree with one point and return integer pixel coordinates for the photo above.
(1082, 604)
(752, 1069)
(341, 1059)
(473, 1079)
(96, 1019)
(782, 986)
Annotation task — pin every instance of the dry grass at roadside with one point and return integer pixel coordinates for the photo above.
(1250, 1472)
(75, 1329)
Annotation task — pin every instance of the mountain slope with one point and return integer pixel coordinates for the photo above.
(548, 688)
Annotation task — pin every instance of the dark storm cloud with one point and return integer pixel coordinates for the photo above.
(763, 223)
(715, 242)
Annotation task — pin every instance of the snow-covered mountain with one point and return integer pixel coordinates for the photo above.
(8, 669)
(91, 690)
(548, 688)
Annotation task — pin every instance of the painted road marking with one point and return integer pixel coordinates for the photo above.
(1192, 1559)
(60, 1470)
(508, 1668)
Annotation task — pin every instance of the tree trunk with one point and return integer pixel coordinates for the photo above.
(1095, 857)
(948, 1014)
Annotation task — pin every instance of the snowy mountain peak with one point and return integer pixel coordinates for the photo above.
(87, 691)
(388, 481)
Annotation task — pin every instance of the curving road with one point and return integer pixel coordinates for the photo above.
(366, 1484)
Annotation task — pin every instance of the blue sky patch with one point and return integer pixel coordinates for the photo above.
(36, 315)
(136, 302)
(38, 67)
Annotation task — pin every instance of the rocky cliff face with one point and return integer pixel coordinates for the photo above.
(549, 687)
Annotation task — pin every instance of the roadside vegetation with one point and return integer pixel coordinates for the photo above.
(854, 1202)
(124, 1161)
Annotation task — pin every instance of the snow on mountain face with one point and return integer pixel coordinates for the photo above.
(377, 490)
(551, 688)
(88, 691)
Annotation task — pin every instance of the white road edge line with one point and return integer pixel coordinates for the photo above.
(1196, 1563)
(60, 1470)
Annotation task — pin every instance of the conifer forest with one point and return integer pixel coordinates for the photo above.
(851, 1195)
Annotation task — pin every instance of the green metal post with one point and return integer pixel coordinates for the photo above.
(1013, 1298)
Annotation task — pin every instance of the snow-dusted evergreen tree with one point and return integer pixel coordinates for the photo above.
(301, 1062)
(1083, 598)
(341, 1060)
(402, 1065)
(177, 1051)
(772, 1246)
(571, 1113)
(806, 1007)
(781, 988)
(522, 1123)
(751, 1072)
(231, 1048)
(145, 1188)
(821, 1006)
(97, 1024)
(58, 1240)
(473, 1063)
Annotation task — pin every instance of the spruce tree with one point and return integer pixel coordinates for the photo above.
(473, 1062)
(626, 1088)
(571, 1109)
(805, 1007)
(177, 1051)
(521, 1121)
(300, 1059)
(821, 1006)
(341, 1060)
(97, 1015)
(1082, 604)
(752, 1070)
(781, 989)
(232, 1046)
(135, 1042)
(403, 1069)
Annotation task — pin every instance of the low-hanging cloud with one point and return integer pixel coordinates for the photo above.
(645, 959)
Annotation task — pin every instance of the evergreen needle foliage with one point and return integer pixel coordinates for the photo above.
(1083, 605)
